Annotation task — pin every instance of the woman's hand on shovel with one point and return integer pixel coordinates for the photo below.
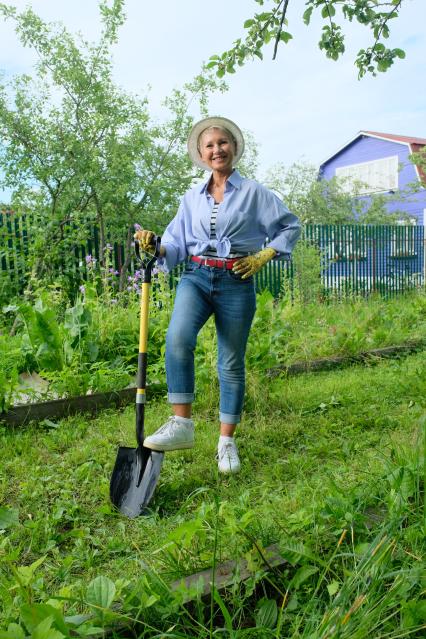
(146, 241)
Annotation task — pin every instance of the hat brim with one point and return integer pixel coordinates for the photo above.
(221, 123)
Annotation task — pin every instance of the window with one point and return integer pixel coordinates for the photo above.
(370, 177)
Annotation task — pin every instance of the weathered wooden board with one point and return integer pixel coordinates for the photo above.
(330, 363)
(227, 573)
(60, 408)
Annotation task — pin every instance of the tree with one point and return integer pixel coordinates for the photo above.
(419, 159)
(317, 201)
(271, 26)
(78, 151)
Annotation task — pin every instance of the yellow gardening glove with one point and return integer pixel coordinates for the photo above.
(251, 264)
(146, 240)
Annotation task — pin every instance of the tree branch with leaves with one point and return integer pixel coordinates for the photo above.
(271, 26)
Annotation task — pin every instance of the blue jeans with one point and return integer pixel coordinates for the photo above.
(204, 291)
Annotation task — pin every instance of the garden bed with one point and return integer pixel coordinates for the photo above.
(21, 415)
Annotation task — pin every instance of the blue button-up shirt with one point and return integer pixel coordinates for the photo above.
(249, 216)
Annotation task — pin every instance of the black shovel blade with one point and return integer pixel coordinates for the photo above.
(134, 478)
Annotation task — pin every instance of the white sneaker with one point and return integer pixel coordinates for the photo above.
(173, 435)
(227, 458)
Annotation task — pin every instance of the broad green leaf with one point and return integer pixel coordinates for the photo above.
(185, 534)
(266, 614)
(333, 587)
(285, 36)
(8, 517)
(13, 632)
(77, 620)
(44, 630)
(227, 617)
(26, 573)
(32, 615)
(307, 15)
(248, 23)
(303, 575)
(101, 592)
(17, 631)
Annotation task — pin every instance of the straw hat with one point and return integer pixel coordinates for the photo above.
(221, 123)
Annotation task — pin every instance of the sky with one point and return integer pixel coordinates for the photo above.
(299, 107)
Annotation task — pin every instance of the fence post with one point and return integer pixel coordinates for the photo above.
(374, 265)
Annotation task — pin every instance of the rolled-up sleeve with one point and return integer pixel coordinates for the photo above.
(281, 227)
(174, 242)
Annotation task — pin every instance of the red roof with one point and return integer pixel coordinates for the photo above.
(397, 138)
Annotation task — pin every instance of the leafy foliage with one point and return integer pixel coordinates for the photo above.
(317, 201)
(271, 26)
(78, 150)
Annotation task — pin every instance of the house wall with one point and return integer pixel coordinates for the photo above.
(365, 149)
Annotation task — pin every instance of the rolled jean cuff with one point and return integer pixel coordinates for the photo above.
(181, 398)
(226, 418)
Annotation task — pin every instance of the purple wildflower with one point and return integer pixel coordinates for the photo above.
(82, 289)
(138, 227)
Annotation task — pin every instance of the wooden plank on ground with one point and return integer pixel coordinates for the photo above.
(60, 408)
(227, 573)
(330, 363)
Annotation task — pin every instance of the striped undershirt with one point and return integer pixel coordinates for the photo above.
(212, 251)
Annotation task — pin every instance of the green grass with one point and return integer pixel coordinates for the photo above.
(321, 454)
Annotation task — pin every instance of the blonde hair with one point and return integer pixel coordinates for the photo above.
(218, 128)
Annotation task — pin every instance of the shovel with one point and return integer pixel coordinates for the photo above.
(136, 470)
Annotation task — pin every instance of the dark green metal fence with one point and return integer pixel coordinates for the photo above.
(367, 259)
(330, 260)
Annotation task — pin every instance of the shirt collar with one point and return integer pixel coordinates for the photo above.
(234, 180)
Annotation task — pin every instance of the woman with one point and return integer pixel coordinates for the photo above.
(219, 229)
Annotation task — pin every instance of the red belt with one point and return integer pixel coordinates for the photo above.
(219, 263)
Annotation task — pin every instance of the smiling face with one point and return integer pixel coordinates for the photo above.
(217, 149)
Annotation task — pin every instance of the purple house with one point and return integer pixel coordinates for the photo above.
(380, 162)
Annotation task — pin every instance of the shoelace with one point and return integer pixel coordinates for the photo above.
(230, 451)
(170, 424)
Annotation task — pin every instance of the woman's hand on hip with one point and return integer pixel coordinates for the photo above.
(251, 264)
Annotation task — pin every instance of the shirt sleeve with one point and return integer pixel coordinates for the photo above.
(281, 227)
(174, 242)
